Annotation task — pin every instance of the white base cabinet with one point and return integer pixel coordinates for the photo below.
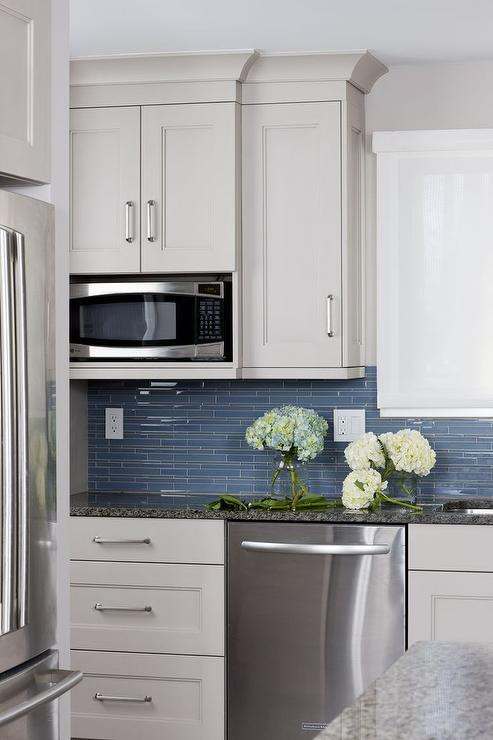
(185, 697)
(151, 607)
(450, 583)
(450, 606)
(148, 620)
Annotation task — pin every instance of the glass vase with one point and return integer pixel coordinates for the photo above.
(287, 480)
(401, 489)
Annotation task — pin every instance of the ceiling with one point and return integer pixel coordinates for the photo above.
(396, 31)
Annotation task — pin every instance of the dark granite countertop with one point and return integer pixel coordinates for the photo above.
(84, 504)
(437, 690)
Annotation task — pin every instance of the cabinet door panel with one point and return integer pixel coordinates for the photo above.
(450, 606)
(292, 235)
(25, 89)
(188, 174)
(105, 190)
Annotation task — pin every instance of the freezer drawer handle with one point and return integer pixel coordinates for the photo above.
(103, 541)
(139, 699)
(294, 549)
(58, 683)
(100, 608)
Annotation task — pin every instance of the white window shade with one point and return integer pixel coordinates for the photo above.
(435, 273)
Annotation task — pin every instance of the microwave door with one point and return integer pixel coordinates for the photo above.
(133, 325)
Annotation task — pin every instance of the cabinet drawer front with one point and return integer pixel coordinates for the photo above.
(457, 607)
(186, 697)
(460, 547)
(166, 540)
(148, 607)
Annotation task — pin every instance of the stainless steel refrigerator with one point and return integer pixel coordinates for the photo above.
(316, 613)
(30, 680)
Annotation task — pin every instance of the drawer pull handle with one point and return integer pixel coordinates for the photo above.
(100, 608)
(105, 541)
(139, 699)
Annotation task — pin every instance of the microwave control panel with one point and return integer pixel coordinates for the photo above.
(210, 320)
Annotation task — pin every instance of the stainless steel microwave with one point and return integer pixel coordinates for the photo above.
(178, 318)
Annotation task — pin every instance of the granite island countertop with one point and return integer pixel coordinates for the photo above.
(153, 507)
(437, 690)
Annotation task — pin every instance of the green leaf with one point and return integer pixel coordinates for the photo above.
(227, 503)
(359, 485)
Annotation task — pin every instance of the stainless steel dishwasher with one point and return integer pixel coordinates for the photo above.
(316, 612)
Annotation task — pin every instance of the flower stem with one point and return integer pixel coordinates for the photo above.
(400, 503)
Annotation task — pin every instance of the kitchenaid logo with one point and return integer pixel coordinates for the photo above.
(310, 726)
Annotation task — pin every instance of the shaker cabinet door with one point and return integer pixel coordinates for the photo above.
(189, 187)
(451, 606)
(25, 89)
(291, 216)
(105, 190)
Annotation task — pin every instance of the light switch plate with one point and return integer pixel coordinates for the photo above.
(349, 424)
(113, 423)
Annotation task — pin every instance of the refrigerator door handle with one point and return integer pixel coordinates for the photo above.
(8, 437)
(22, 432)
(52, 684)
(301, 549)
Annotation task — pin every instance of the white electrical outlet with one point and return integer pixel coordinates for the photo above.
(349, 424)
(113, 423)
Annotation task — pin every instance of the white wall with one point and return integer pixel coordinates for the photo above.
(425, 96)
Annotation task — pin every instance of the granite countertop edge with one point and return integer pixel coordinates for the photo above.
(384, 516)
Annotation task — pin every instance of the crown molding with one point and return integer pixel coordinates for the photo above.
(206, 66)
(360, 68)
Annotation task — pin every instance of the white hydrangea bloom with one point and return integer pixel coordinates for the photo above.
(409, 451)
(365, 451)
(360, 496)
(289, 428)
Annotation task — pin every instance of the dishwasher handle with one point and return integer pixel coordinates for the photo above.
(297, 549)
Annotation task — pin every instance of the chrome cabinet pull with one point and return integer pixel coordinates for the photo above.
(22, 424)
(139, 699)
(295, 549)
(330, 331)
(8, 437)
(105, 541)
(151, 205)
(128, 221)
(100, 608)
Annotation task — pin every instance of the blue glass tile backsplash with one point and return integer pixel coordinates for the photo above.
(188, 438)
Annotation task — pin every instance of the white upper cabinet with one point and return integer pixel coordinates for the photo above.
(25, 90)
(302, 297)
(189, 187)
(292, 235)
(105, 190)
(435, 272)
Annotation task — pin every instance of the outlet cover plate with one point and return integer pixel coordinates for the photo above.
(349, 424)
(113, 423)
